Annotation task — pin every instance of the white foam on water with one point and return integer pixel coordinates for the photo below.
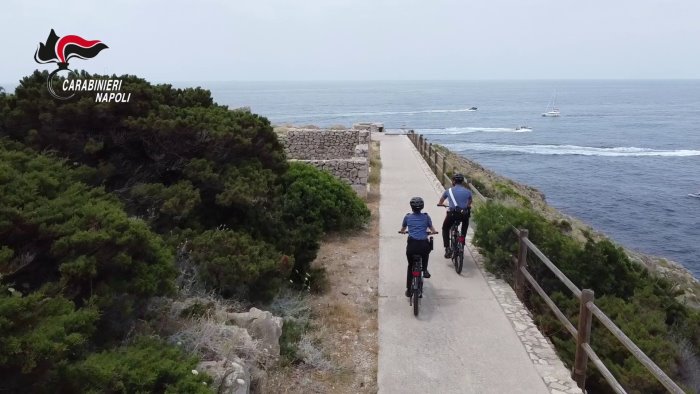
(467, 130)
(351, 114)
(574, 150)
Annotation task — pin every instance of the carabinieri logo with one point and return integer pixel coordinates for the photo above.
(60, 50)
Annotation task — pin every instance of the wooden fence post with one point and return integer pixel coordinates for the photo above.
(429, 152)
(585, 318)
(444, 170)
(522, 262)
(436, 162)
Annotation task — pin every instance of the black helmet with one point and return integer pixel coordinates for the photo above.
(458, 178)
(417, 203)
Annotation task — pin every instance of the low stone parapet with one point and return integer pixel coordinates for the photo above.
(310, 144)
(369, 126)
(343, 153)
(354, 171)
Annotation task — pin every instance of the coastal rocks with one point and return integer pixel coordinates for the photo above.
(262, 326)
(230, 376)
(235, 347)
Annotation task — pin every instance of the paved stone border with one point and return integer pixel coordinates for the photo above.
(541, 351)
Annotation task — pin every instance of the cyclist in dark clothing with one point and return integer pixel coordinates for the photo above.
(460, 200)
(418, 225)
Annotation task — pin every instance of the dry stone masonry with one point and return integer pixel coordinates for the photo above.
(343, 153)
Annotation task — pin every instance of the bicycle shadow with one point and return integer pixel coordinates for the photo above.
(435, 298)
(469, 268)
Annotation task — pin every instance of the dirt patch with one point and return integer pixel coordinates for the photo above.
(343, 324)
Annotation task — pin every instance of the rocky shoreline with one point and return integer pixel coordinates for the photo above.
(659, 266)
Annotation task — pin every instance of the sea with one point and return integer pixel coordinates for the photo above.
(623, 156)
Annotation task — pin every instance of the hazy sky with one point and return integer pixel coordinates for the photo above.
(215, 40)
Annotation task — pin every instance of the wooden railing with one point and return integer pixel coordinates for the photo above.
(587, 308)
(438, 162)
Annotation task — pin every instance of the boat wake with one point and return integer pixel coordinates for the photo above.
(352, 114)
(573, 150)
(467, 130)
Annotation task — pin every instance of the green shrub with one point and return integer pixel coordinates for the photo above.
(481, 187)
(234, 263)
(313, 193)
(292, 331)
(146, 366)
(504, 191)
(318, 280)
(39, 333)
(315, 202)
(168, 206)
(73, 236)
(645, 308)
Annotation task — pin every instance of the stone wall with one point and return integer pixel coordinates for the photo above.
(309, 144)
(352, 171)
(343, 153)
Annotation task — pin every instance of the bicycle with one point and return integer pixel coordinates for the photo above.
(417, 281)
(456, 245)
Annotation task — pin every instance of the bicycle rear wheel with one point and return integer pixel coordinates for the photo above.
(459, 261)
(415, 303)
(416, 295)
(455, 256)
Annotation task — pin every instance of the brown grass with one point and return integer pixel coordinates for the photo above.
(375, 164)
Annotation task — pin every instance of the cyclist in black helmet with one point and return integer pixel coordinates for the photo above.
(418, 225)
(460, 200)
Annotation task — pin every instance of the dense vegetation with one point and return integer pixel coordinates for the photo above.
(643, 306)
(96, 197)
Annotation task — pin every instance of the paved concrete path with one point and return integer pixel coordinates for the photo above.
(462, 341)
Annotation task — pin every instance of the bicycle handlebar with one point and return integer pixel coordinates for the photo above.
(427, 232)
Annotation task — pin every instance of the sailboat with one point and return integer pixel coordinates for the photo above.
(552, 111)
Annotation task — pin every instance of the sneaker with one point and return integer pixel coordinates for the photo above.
(448, 253)
(408, 292)
(426, 274)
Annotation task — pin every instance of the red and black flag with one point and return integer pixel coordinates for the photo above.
(61, 49)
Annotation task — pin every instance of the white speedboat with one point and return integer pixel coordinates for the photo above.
(696, 195)
(523, 128)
